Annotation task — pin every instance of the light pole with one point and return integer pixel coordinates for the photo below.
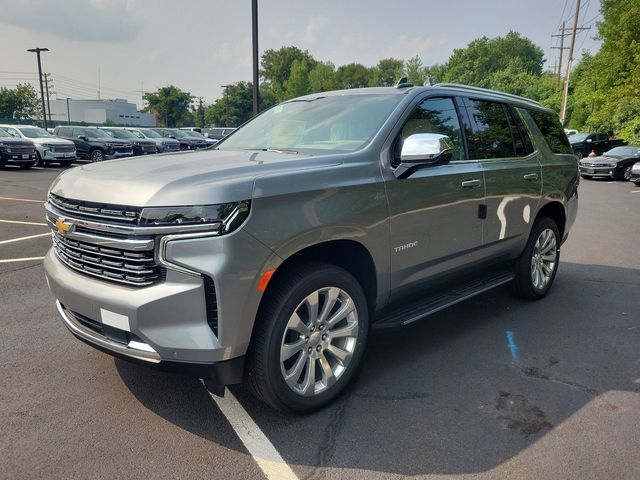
(254, 35)
(226, 105)
(37, 52)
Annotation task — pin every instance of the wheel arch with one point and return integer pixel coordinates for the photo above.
(555, 210)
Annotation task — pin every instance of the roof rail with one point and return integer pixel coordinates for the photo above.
(486, 90)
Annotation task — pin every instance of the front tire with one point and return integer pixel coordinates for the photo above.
(536, 268)
(309, 338)
(626, 174)
(97, 155)
(579, 153)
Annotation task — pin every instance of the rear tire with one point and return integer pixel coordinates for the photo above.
(536, 268)
(309, 338)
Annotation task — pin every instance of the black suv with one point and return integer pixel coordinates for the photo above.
(94, 144)
(15, 151)
(140, 146)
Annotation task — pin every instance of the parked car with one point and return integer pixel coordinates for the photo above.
(192, 129)
(15, 151)
(272, 256)
(49, 149)
(585, 143)
(187, 142)
(635, 173)
(218, 133)
(94, 144)
(570, 131)
(209, 141)
(616, 163)
(140, 146)
(163, 144)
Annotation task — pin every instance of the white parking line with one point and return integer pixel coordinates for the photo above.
(26, 259)
(21, 199)
(256, 442)
(22, 223)
(3, 242)
(635, 191)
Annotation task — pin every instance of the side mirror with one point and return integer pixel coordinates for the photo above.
(83, 137)
(423, 150)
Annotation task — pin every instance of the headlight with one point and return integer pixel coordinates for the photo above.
(109, 145)
(636, 167)
(47, 145)
(223, 218)
(3, 146)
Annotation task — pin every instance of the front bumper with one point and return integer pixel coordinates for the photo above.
(17, 158)
(118, 154)
(53, 156)
(165, 324)
(605, 172)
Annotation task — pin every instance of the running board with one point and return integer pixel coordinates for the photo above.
(441, 300)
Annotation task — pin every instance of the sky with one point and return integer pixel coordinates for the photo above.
(129, 46)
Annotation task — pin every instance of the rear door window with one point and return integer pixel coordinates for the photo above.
(488, 130)
(552, 131)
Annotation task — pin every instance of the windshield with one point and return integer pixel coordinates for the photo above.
(94, 133)
(579, 137)
(147, 133)
(623, 152)
(179, 134)
(34, 132)
(193, 133)
(121, 133)
(339, 123)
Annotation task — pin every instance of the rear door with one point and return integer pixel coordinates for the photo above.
(435, 224)
(497, 138)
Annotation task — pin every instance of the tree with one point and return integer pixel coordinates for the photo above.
(415, 70)
(434, 74)
(605, 87)
(276, 65)
(19, 102)
(171, 105)
(387, 72)
(483, 57)
(353, 75)
(322, 77)
(236, 106)
(198, 114)
(298, 81)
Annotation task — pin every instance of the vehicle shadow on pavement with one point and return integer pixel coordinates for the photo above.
(460, 392)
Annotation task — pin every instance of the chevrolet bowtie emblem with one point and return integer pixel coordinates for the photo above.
(64, 227)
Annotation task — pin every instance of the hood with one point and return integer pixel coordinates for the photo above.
(600, 159)
(118, 141)
(16, 141)
(51, 140)
(187, 178)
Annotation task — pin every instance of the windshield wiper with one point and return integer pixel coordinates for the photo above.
(277, 150)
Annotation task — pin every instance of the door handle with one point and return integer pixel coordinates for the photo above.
(530, 176)
(471, 183)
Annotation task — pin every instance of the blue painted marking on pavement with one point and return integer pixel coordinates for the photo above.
(512, 345)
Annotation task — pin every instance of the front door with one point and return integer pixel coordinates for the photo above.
(435, 224)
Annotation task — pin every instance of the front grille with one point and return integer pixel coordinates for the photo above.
(122, 149)
(63, 149)
(135, 268)
(598, 165)
(119, 214)
(21, 149)
(149, 148)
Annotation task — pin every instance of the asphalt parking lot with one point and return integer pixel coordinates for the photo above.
(492, 388)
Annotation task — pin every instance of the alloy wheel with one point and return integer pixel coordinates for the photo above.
(319, 341)
(544, 259)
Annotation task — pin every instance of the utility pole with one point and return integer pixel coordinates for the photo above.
(68, 113)
(98, 83)
(200, 113)
(37, 52)
(562, 48)
(226, 105)
(254, 35)
(47, 79)
(565, 92)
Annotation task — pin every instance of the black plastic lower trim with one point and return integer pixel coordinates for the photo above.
(227, 372)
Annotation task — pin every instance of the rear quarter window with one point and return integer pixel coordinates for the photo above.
(549, 126)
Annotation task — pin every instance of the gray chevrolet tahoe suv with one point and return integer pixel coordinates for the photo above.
(269, 258)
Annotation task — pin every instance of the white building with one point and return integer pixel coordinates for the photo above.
(116, 111)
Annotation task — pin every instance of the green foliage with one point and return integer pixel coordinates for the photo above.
(277, 64)
(322, 77)
(415, 71)
(353, 75)
(482, 58)
(605, 87)
(386, 73)
(171, 106)
(298, 82)
(236, 107)
(19, 102)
